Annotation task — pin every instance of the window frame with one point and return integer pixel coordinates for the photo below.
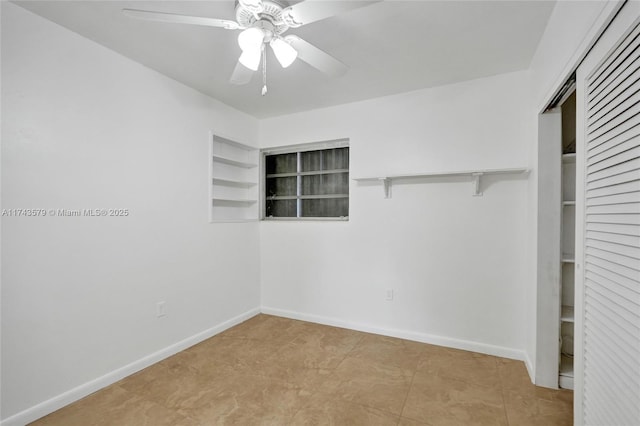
(298, 148)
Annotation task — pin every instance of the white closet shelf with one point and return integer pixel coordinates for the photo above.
(475, 174)
(568, 258)
(569, 158)
(565, 380)
(568, 203)
(231, 182)
(567, 314)
(566, 366)
(231, 162)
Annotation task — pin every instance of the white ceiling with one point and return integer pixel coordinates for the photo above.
(390, 47)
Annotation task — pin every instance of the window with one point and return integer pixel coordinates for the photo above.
(307, 181)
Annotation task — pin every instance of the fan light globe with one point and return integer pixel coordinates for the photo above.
(285, 53)
(251, 39)
(251, 59)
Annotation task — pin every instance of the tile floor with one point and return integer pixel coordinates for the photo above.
(275, 371)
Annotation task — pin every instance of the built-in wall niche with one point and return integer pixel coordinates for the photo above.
(233, 181)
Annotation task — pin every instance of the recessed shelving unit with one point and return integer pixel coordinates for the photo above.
(474, 175)
(233, 181)
(567, 280)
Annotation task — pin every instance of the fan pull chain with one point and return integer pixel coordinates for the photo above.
(264, 71)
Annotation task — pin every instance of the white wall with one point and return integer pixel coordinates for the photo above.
(457, 262)
(573, 27)
(84, 127)
(569, 34)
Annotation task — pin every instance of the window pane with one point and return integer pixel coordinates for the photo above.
(282, 163)
(326, 159)
(336, 158)
(329, 207)
(280, 208)
(329, 184)
(280, 186)
(311, 161)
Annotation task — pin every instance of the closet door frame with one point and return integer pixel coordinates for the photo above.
(544, 371)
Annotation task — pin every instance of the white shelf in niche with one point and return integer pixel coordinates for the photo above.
(232, 143)
(233, 181)
(233, 201)
(230, 162)
(568, 203)
(476, 175)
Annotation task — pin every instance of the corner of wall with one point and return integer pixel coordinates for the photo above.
(46, 407)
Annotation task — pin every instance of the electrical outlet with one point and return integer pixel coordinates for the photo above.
(389, 294)
(161, 309)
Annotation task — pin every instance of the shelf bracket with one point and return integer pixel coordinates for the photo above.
(477, 184)
(386, 186)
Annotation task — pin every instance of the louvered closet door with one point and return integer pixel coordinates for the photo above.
(609, 281)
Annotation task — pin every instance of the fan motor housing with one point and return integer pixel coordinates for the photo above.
(270, 16)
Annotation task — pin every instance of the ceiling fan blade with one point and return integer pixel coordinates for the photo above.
(316, 57)
(309, 11)
(180, 19)
(241, 75)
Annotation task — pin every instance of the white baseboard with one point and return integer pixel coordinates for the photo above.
(75, 394)
(449, 342)
(49, 406)
(530, 369)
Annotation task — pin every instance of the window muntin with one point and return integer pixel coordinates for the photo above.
(307, 183)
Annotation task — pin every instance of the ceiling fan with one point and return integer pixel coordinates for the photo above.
(262, 23)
